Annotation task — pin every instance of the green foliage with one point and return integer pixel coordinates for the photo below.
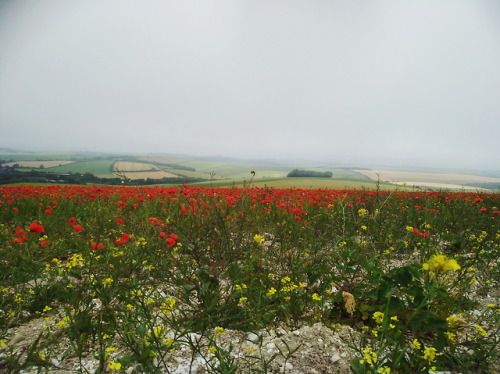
(296, 173)
(136, 274)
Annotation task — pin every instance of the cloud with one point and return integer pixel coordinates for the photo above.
(378, 81)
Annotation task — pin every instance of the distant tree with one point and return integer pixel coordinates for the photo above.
(296, 173)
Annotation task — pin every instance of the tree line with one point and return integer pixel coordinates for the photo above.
(309, 174)
(11, 175)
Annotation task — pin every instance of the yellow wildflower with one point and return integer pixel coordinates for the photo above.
(259, 239)
(369, 356)
(415, 343)
(480, 330)
(242, 301)
(211, 349)
(378, 317)
(441, 263)
(167, 306)
(362, 212)
(114, 365)
(451, 336)
(219, 331)
(430, 354)
(271, 292)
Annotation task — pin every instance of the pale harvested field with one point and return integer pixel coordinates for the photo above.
(410, 177)
(125, 166)
(149, 174)
(440, 185)
(36, 164)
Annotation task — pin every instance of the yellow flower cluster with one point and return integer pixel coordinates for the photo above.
(441, 263)
(430, 354)
(114, 365)
(369, 356)
(218, 331)
(362, 212)
(167, 306)
(378, 317)
(75, 260)
(271, 292)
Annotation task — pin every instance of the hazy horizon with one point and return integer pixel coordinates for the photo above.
(368, 82)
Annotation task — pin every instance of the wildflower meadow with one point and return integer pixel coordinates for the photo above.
(125, 279)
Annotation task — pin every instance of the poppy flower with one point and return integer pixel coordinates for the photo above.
(172, 240)
(96, 246)
(78, 228)
(19, 231)
(123, 240)
(20, 239)
(71, 221)
(35, 227)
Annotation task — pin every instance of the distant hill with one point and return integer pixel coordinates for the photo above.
(231, 170)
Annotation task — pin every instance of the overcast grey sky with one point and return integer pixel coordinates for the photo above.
(373, 81)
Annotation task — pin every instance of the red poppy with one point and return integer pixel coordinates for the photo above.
(119, 221)
(20, 239)
(35, 227)
(172, 239)
(71, 221)
(96, 246)
(78, 228)
(19, 231)
(123, 240)
(44, 243)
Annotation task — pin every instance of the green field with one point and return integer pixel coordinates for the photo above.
(100, 168)
(304, 183)
(227, 172)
